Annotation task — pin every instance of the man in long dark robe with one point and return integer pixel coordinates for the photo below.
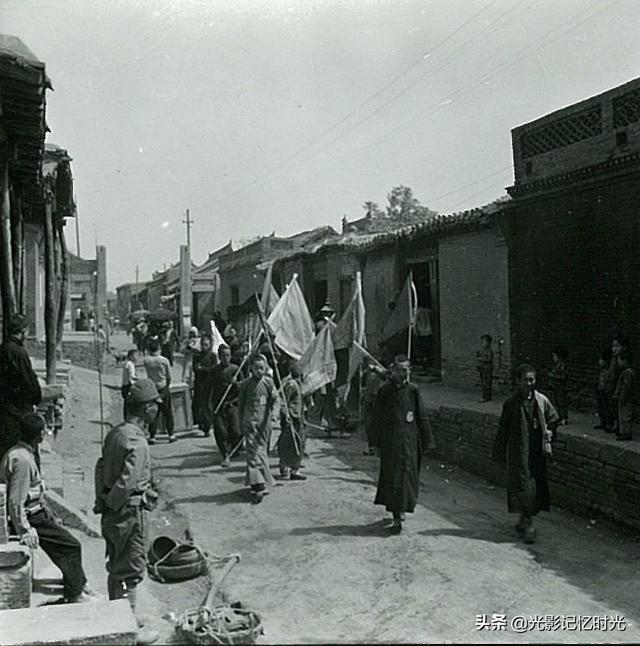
(204, 363)
(523, 444)
(19, 387)
(402, 434)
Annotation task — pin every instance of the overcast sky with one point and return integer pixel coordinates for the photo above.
(262, 115)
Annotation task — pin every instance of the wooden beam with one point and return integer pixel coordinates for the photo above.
(16, 245)
(64, 281)
(50, 300)
(7, 285)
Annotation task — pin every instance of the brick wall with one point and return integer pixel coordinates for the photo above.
(601, 117)
(575, 271)
(586, 475)
(474, 300)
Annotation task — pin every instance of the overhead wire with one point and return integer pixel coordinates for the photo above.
(506, 63)
(363, 104)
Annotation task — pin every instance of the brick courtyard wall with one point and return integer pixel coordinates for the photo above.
(575, 271)
(474, 300)
(586, 475)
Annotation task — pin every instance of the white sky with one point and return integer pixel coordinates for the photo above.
(269, 114)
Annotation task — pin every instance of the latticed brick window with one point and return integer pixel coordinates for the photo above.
(626, 109)
(563, 132)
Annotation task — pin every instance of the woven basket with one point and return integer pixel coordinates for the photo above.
(15, 576)
(222, 625)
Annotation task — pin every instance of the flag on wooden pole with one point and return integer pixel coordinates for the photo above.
(216, 338)
(403, 315)
(351, 326)
(318, 363)
(291, 322)
(350, 330)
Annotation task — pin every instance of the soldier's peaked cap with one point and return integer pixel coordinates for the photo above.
(143, 390)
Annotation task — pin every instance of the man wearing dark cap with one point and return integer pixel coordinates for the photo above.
(30, 518)
(124, 496)
(19, 387)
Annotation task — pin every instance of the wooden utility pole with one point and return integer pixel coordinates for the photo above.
(50, 301)
(188, 222)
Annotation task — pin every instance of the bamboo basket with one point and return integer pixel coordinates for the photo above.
(223, 624)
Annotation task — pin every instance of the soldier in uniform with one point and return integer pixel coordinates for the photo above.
(291, 440)
(257, 397)
(402, 434)
(225, 422)
(31, 520)
(19, 387)
(124, 496)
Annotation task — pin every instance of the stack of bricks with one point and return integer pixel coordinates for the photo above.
(4, 524)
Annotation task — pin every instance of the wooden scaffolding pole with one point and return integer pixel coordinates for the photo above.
(50, 301)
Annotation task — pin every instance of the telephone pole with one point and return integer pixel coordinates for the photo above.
(186, 285)
(188, 221)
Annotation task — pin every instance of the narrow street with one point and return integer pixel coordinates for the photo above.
(319, 565)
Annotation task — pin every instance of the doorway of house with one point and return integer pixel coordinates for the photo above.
(426, 355)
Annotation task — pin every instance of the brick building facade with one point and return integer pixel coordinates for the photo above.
(574, 233)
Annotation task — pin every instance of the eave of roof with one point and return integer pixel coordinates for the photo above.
(23, 83)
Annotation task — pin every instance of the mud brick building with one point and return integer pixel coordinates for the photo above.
(87, 290)
(207, 287)
(573, 230)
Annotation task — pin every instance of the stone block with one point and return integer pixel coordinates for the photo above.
(15, 577)
(96, 622)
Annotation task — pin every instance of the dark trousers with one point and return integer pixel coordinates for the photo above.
(167, 351)
(603, 413)
(63, 549)
(125, 392)
(486, 379)
(226, 429)
(167, 415)
(126, 536)
(612, 411)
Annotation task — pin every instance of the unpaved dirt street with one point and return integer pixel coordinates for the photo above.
(319, 565)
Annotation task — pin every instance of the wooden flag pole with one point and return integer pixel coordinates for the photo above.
(263, 324)
(410, 334)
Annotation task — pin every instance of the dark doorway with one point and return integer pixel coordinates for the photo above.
(426, 355)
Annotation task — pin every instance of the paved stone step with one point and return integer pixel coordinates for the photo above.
(95, 622)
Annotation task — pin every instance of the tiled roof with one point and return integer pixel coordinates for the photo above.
(436, 225)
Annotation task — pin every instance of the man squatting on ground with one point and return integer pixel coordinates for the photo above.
(257, 398)
(124, 496)
(402, 433)
(291, 441)
(225, 421)
(29, 516)
(523, 443)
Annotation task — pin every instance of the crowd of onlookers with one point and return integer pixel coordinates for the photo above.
(615, 387)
